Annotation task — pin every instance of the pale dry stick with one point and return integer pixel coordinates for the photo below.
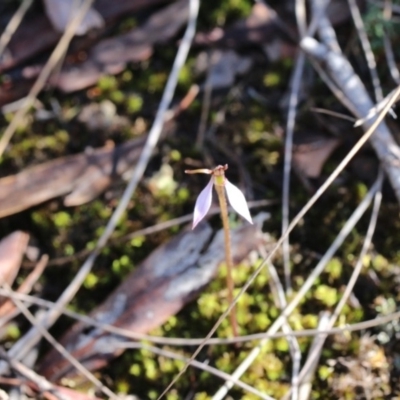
(61, 349)
(13, 25)
(374, 110)
(300, 11)
(33, 336)
(369, 55)
(327, 33)
(287, 164)
(332, 113)
(7, 318)
(58, 53)
(305, 385)
(128, 334)
(196, 364)
(354, 275)
(42, 384)
(28, 283)
(293, 224)
(277, 289)
(334, 88)
(140, 232)
(319, 268)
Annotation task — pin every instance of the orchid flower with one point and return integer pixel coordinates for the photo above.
(238, 203)
(235, 197)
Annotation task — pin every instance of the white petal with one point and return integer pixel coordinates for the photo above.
(203, 203)
(237, 201)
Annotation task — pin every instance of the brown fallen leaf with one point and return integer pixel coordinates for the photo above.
(171, 276)
(12, 249)
(35, 34)
(310, 155)
(110, 55)
(81, 177)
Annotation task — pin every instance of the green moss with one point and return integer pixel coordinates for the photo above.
(185, 76)
(272, 79)
(13, 332)
(157, 82)
(62, 219)
(122, 266)
(326, 295)
(117, 96)
(134, 103)
(91, 281)
(324, 372)
(138, 241)
(135, 370)
(334, 269)
(107, 83)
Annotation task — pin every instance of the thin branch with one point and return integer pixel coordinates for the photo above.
(128, 334)
(394, 71)
(291, 120)
(301, 16)
(305, 384)
(13, 25)
(27, 284)
(295, 351)
(369, 55)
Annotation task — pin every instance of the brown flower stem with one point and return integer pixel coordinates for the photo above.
(228, 254)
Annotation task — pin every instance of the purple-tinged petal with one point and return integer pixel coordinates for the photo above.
(203, 203)
(237, 201)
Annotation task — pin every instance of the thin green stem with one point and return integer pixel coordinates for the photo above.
(228, 254)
